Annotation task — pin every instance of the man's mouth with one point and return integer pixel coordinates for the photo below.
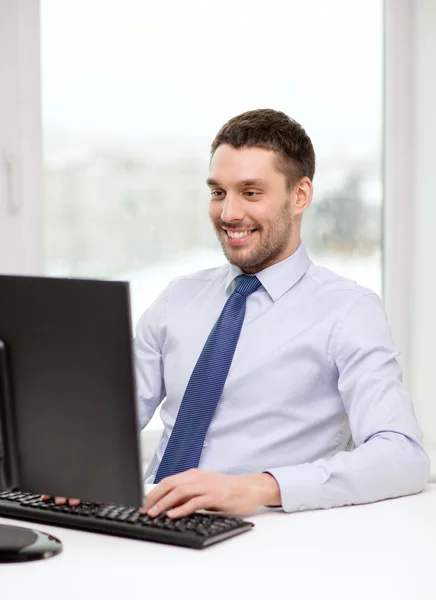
(237, 237)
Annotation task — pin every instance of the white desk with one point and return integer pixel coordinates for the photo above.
(380, 551)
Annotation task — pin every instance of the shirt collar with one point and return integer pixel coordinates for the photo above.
(278, 278)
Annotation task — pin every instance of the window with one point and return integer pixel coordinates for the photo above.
(133, 93)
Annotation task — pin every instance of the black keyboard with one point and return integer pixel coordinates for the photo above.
(195, 531)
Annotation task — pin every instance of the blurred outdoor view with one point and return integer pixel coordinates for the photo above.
(134, 91)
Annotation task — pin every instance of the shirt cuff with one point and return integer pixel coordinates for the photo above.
(300, 485)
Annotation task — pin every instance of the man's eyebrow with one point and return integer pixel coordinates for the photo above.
(252, 183)
(243, 183)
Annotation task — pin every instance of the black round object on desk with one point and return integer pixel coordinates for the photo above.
(19, 544)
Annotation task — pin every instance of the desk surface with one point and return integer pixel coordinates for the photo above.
(385, 550)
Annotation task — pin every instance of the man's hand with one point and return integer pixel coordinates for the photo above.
(60, 500)
(184, 493)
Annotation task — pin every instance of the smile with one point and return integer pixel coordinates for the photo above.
(237, 238)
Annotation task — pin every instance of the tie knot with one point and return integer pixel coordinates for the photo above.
(247, 284)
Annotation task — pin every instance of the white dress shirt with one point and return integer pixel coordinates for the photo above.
(314, 363)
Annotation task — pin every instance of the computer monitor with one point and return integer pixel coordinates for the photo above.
(68, 411)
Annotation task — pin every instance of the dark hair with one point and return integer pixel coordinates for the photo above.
(272, 130)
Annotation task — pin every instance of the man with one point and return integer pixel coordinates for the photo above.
(266, 365)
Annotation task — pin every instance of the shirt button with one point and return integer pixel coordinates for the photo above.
(302, 507)
(204, 444)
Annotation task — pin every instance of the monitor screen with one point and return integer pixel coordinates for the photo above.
(68, 407)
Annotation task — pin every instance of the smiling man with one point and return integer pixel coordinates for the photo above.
(278, 379)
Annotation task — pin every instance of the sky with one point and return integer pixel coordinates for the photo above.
(163, 76)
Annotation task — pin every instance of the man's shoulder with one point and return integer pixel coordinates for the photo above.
(191, 283)
(204, 275)
(183, 289)
(330, 282)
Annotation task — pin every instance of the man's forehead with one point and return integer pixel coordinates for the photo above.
(241, 165)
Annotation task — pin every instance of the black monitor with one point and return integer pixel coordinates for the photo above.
(68, 411)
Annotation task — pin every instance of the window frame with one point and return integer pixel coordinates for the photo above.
(21, 166)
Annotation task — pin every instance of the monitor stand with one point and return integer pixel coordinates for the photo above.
(17, 544)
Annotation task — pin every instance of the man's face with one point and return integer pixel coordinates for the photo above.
(251, 207)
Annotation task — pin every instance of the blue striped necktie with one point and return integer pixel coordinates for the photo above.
(206, 384)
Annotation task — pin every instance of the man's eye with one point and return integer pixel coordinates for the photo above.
(250, 193)
(217, 194)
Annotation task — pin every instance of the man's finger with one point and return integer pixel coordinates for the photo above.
(57, 499)
(189, 507)
(169, 483)
(60, 500)
(161, 490)
(155, 500)
(176, 497)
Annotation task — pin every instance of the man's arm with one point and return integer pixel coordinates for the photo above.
(389, 459)
(148, 360)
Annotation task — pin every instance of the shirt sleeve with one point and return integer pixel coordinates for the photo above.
(148, 344)
(389, 459)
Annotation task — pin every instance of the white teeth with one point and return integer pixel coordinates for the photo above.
(238, 234)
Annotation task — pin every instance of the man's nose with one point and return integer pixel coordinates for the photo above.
(232, 209)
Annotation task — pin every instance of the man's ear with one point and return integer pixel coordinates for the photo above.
(303, 192)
